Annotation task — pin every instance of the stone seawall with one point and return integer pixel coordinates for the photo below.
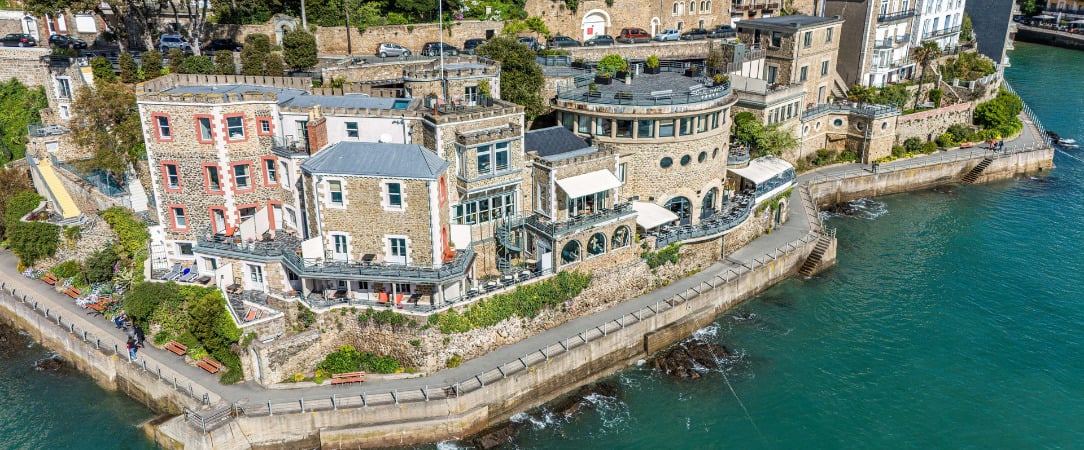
(1045, 36)
(63, 333)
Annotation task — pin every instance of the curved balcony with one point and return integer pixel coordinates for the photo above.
(553, 229)
(645, 90)
(711, 227)
(365, 271)
(737, 157)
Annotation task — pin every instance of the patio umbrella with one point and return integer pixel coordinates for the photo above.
(1078, 21)
(1043, 17)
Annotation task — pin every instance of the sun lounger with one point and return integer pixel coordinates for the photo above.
(188, 275)
(173, 273)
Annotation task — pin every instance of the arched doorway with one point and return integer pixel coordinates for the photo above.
(707, 206)
(570, 253)
(656, 24)
(594, 23)
(682, 207)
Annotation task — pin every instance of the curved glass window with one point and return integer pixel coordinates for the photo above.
(707, 206)
(621, 237)
(596, 245)
(702, 157)
(685, 160)
(571, 252)
(682, 207)
(666, 162)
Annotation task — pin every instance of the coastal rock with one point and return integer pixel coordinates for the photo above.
(497, 436)
(687, 359)
(52, 364)
(572, 404)
(11, 341)
(843, 209)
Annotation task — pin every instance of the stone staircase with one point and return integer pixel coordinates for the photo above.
(973, 175)
(814, 259)
(137, 194)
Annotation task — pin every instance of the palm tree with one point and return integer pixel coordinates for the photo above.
(923, 55)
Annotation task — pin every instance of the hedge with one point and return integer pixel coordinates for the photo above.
(526, 301)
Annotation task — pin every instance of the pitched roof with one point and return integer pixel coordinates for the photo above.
(376, 159)
(552, 141)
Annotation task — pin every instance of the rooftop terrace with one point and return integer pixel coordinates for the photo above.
(666, 88)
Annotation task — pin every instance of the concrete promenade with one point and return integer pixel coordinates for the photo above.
(802, 223)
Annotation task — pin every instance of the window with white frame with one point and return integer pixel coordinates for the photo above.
(163, 127)
(246, 213)
(173, 176)
(235, 127)
(213, 182)
(285, 175)
(65, 111)
(493, 158)
(204, 128)
(291, 217)
(352, 130)
(824, 68)
(241, 176)
(335, 192)
(397, 250)
(64, 88)
(340, 246)
(484, 209)
(271, 171)
(394, 195)
(179, 218)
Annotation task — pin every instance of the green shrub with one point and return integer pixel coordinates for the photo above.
(612, 64)
(66, 269)
(652, 61)
(669, 254)
(848, 156)
(929, 147)
(132, 234)
(99, 267)
(961, 133)
(305, 316)
(526, 301)
(454, 361)
(32, 241)
(102, 69)
(161, 338)
(898, 151)
(1000, 115)
(198, 64)
(348, 359)
(20, 205)
(152, 64)
(299, 49)
(945, 140)
(935, 97)
(141, 302)
(912, 145)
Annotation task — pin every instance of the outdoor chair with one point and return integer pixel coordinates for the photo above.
(173, 273)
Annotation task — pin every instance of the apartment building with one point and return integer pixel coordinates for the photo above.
(938, 21)
(800, 51)
(877, 51)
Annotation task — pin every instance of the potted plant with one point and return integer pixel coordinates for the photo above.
(692, 71)
(592, 90)
(604, 78)
(720, 79)
(484, 95)
(578, 63)
(652, 65)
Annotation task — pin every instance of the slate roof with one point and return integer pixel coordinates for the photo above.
(792, 22)
(552, 141)
(346, 101)
(376, 159)
(284, 94)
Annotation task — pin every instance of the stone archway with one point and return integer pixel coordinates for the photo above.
(656, 25)
(594, 23)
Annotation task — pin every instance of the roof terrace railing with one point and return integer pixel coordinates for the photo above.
(316, 268)
(654, 98)
(862, 109)
(549, 228)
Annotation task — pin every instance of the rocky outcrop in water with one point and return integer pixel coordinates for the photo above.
(11, 340)
(497, 436)
(843, 209)
(689, 358)
(572, 404)
(52, 363)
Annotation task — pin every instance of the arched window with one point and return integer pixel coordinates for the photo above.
(571, 252)
(596, 245)
(692, 7)
(682, 207)
(621, 237)
(677, 7)
(707, 206)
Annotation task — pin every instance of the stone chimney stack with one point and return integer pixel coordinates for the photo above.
(317, 127)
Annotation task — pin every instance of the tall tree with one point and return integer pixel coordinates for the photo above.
(521, 76)
(176, 60)
(299, 50)
(254, 54)
(275, 66)
(923, 55)
(102, 69)
(224, 64)
(195, 14)
(152, 64)
(19, 106)
(106, 120)
(135, 16)
(129, 71)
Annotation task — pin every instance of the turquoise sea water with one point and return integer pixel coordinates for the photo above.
(954, 319)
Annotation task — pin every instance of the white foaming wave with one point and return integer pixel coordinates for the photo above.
(709, 331)
(613, 413)
(541, 421)
(869, 208)
(452, 445)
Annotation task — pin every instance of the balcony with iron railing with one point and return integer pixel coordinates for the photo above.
(362, 270)
(289, 146)
(663, 89)
(861, 109)
(733, 215)
(269, 247)
(46, 130)
(895, 16)
(552, 229)
(939, 33)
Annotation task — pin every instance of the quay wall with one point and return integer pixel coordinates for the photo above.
(1045, 36)
(63, 332)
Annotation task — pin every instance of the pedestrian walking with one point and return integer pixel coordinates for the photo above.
(139, 336)
(132, 347)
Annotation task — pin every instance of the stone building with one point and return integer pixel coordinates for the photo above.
(799, 51)
(671, 132)
(868, 131)
(877, 51)
(590, 18)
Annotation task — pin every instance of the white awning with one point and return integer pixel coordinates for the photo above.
(763, 169)
(589, 183)
(650, 215)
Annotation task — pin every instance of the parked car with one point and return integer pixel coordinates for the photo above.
(166, 42)
(694, 34)
(386, 49)
(436, 49)
(601, 40)
(19, 40)
(722, 31)
(562, 41)
(633, 35)
(530, 42)
(668, 35)
(65, 41)
(470, 44)
(222, 44)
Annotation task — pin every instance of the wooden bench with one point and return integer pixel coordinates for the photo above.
(210, 365)
(349, 377)
(177, 347)
(100, 306)
(72, 292)
(967, 144)
(49, 279)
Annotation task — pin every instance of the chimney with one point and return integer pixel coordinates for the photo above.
(317, 128)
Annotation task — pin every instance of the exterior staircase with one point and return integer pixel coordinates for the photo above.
(137, 195)
(814, 259)
(973, 175)
(509, 241)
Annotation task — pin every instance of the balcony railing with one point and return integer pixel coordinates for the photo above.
(894, 16)
(657, 98)
(737, 156)
(319, 268)
(549, 228)
(871, 111)
(46, 130)
(289, 145)
(233, 246)
(941, 32)
(714, 225)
